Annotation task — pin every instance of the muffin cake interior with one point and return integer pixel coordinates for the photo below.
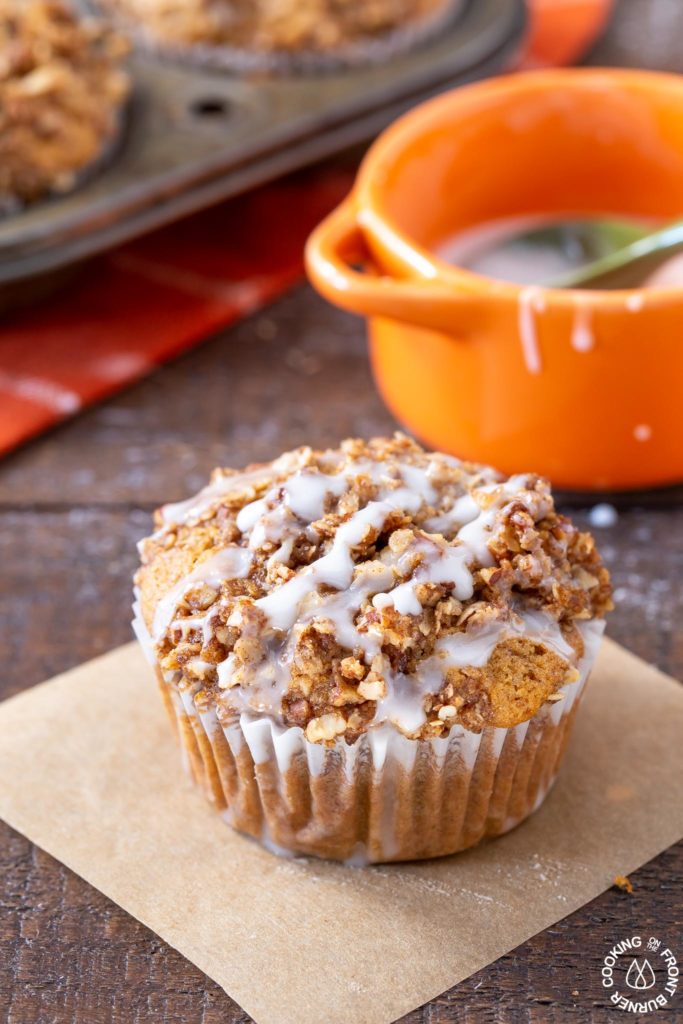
(338, 590)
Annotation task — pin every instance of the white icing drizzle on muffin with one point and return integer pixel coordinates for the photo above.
(427, 537)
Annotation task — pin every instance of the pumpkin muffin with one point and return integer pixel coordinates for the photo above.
(291, 28)
(372, 653)
(62, 90)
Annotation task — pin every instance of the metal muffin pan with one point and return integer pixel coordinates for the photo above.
(194, 137)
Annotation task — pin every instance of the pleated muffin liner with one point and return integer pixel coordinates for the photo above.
(383, 798)
(243, 60)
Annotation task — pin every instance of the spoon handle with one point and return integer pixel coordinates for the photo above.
(630, 266)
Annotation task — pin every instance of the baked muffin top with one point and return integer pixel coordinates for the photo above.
(62, 86)
(272, 25)
(336, 590)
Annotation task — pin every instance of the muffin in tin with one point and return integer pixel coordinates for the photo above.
(372, 653)
(284, 35)
(63, 88)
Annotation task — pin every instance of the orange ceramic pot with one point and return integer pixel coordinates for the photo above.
(583, 387)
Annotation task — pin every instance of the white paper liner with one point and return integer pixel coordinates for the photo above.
(382, 798)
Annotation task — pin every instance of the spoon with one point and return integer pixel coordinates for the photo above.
(617, 254)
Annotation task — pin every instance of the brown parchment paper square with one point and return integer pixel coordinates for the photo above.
(91, 773)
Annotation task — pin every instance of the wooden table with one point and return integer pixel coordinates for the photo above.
(72, 506)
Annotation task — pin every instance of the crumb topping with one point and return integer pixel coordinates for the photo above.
(272, 25)
(61, 90)
(337, 590)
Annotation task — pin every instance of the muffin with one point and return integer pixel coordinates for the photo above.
(372, 653)
(62, 90)
(288, 30)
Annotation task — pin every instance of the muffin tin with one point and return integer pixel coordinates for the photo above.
(195, 136)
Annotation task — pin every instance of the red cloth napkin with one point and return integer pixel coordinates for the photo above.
(144, 303)
(140, 305)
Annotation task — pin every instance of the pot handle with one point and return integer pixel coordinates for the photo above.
(337, 246)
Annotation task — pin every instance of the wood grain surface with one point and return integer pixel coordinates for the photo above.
(72, 506)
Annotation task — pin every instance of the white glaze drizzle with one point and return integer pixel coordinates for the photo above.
(335, 568)
(464, 510)
(341, 608)
(403, 705)
(441, 563)
(298, 600)
(642, 432)
(530, 299)
(182, 512)
(305, 493)
(229, 563)
(249, 515)
(635, 302)
(385, 744)
(290, 507)
(582, 338)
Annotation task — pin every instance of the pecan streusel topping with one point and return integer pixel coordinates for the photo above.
(338, 590)
(62, 87)
(271, 25)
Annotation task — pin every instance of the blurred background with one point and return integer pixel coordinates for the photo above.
(266, 365)
(156, 323)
